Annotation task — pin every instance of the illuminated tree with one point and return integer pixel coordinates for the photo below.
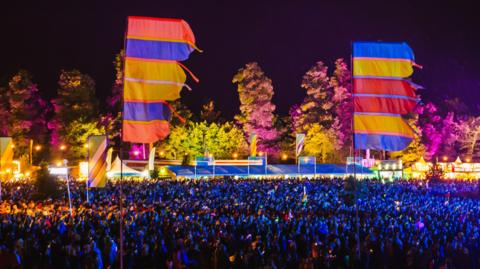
(439, 133)
(317, 107)
(416, 149)
(320, 142)
(112, 120)
(343, 104)
(469, 136)
(4, 112)
(76, 137)
(27, 109)
(256, 91)
(200, 138)
(208, 113)
(76, 110)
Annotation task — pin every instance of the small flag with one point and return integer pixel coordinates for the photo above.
(253, 144)
(6, 151)
(109, 159)
(97, 161)
(299, 141)
(151, 160)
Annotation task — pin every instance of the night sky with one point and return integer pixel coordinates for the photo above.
(286, 39)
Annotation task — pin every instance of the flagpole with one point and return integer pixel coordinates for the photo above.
(354, 154)
(120, 201)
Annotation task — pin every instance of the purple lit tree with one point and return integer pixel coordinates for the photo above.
(439, 133)
(343, 104)
(257, 111)
(28, 111)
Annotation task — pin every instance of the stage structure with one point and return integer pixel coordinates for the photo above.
(205, 163)
(257, 165)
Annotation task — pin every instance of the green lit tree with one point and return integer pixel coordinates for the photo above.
(76, 113)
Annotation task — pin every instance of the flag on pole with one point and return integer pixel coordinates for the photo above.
(153, 75)
(6, 151)
(382, 94)
(109, 159)
(299, 141)
(97, 161)
(151, 159)
(253, 144)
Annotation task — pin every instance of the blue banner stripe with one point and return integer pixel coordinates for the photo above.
(159, 50)
(383, 50)
(146, 111)
(381, 142)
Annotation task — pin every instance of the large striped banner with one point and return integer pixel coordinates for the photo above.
(97, 161)
(382, 94)
(6, 150)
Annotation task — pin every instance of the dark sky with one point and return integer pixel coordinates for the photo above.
(285, 38)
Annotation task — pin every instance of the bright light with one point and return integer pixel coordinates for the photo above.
(145, 173)
(63, 147)
(162, 153)
(284, 156)
(136, 153)
(467, 160)
(59, 163)
(86, 145)
(445, 158)
(8, 170)
(83, 169)
(260, 154)
(210, 155)
(12, 146)
(38, 147)
(235, 155)
(163, 171)
(27, 174)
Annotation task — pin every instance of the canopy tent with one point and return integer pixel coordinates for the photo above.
(116, 169)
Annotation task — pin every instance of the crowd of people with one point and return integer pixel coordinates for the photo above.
(240, 223)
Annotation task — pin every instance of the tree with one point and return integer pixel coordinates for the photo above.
(343, 104)
(439, 133)
(255, 92)
(319, 142)
(416, 149)
(317, 107)
(77, 135)
(208, 113)
(28, 111)
(112, 120)
(469, 135)
(4, 112)
(76, 111)
(200, 138)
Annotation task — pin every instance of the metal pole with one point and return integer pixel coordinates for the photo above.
(354, 157)
(88, 168)
(65, 162)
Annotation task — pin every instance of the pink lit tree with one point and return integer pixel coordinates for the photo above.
(317, 107)
(439, 133)
(256, 108)
(27, 113)
(343, 104)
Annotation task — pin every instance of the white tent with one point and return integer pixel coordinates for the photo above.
(125, 170)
